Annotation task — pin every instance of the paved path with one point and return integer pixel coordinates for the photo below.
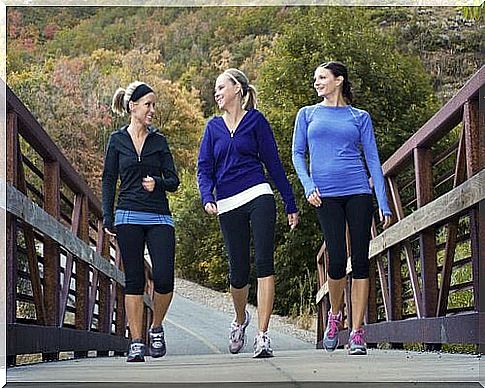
(198, 357)
(193, 329)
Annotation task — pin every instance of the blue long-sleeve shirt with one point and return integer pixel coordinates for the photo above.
(231, 164)
(335, 138)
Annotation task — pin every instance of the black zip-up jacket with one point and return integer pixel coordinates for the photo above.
(122, 160)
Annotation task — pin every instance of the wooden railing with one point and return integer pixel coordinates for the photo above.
(425, 269)
(64, 274)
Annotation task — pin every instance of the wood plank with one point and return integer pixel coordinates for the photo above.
(455, 329)
(445, 207)
(472, 136)
(423, 162)
(82, 273)
(25, 339)
(22, 207)
(12, 268)
(408, 252)
(451, 233)
(52, 188)
(11, 222)
(31, 250)
(448, 117)
(384, 289)
(75, 221)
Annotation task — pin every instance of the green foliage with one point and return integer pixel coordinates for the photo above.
(200, 254)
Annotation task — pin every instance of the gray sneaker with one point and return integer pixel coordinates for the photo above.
(237, 339)
(262, 348)
(330, 338)
(158, 347)
(357, 344)
(136, 352)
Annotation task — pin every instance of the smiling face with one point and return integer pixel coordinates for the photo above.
(226, 92)
(325, 83)
(143, 110)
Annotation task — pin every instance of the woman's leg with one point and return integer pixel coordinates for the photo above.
(331, 215)
(161, 246)
(235, 230)
(131, 241)
(263, 219)
(359, 210)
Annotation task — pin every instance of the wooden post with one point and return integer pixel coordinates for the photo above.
(371, 315)
(395, 287)
(11, 223)
(474, 148)
(104, 324)
(52, 199)
(452, 231)
(479, 302)
(12, 174)
(423, 160)
(82, 278)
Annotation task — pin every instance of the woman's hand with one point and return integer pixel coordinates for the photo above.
(211, 208)
(314, 198)
(148, 183)
(109, 232)
(293, 220)
(386, 219)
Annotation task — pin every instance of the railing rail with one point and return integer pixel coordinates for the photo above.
(435, 249)
(64, 274)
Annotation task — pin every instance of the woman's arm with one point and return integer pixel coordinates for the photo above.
(205, 168)
(109, 180)
(169, 180)
(373, 163)
(299, 151)
(268, 152)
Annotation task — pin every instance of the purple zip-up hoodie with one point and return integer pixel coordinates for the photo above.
(234, 163)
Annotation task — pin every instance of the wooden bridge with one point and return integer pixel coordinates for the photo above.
(65, 277)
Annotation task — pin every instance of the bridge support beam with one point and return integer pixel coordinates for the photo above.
(423, 162)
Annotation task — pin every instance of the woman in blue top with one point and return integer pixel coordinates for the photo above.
(335, 134)
(234, 148)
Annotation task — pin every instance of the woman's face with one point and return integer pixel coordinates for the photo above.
(325, 83)
(143, 110)
(225, 91)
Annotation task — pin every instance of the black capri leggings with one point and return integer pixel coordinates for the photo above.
(258, 216)
(333, 214)
(160, 240)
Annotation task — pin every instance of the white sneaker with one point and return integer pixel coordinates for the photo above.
(237, 339)
(262, 348)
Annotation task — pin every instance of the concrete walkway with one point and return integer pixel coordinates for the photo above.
(197, 356)
(288, 368)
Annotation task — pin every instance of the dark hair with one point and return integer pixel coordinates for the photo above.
(338, 69)
(248, 91)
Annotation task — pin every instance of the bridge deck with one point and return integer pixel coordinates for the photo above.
(287, 368)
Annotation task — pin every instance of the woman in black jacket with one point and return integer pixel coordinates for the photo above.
(139, 155)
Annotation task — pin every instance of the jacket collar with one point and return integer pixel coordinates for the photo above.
(151, 129)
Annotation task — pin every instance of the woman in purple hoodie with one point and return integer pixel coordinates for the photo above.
(233, 151)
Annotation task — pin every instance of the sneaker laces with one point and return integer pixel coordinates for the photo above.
(236, 331)
(263, 340)
(357, 337)
(136, 348)
(333, 322)
(157, 339)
